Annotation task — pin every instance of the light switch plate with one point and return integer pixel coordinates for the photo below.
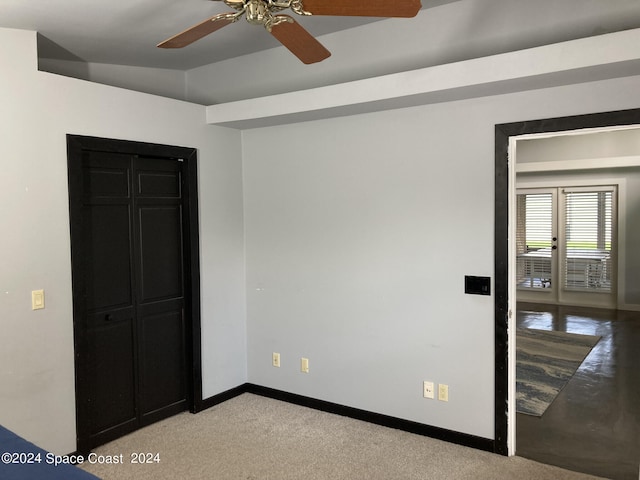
(37, 299)
(443, 392)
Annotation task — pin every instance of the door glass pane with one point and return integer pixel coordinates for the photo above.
(588, 230)
(534, 238)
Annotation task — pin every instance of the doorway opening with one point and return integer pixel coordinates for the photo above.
(136, 288)
(505, 251)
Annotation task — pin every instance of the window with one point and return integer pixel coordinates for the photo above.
(588, 231)
(534, 239)
(565, 238)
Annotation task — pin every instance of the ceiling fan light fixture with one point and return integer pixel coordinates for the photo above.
(294, 37)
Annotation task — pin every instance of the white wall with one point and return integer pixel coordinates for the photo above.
(36, 347)
(563, 148)
(157, 81)
(359, 232)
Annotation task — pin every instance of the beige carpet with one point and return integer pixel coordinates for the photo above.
(256, 438)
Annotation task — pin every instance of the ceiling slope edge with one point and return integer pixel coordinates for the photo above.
(595, 58)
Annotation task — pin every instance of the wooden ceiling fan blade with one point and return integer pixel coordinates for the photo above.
(198, 31)
(299, 42)
(363, 8)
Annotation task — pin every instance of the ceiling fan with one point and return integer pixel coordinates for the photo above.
(285, 29)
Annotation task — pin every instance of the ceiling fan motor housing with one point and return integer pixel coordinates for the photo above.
(257, 12)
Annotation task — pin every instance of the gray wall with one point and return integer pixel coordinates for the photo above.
(359, 232)
(600, 145)
(157, 81)
(37, 397)
(632, 294)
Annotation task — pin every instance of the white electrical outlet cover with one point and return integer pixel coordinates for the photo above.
(428, 390)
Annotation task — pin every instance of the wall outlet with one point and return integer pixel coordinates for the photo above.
(443, 392)
(304, 365)
(428, 390)
(275, 359)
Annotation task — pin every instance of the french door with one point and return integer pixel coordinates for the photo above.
(566, 245)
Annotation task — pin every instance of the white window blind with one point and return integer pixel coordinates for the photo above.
(535, 226)
(588, 232)
(534, 233)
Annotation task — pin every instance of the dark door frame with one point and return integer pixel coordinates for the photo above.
(76, 146)
(503, 132)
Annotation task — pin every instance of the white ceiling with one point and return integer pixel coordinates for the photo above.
(126, 32)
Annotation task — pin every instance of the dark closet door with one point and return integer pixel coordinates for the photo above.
(158, 253)
(108, 377)
(132, 331)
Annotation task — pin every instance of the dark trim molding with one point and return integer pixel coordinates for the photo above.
(356, 413)
(501, 281)
(192, 252)
(223, 397)
(503, 133)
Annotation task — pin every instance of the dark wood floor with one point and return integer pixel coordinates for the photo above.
(593, 426)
